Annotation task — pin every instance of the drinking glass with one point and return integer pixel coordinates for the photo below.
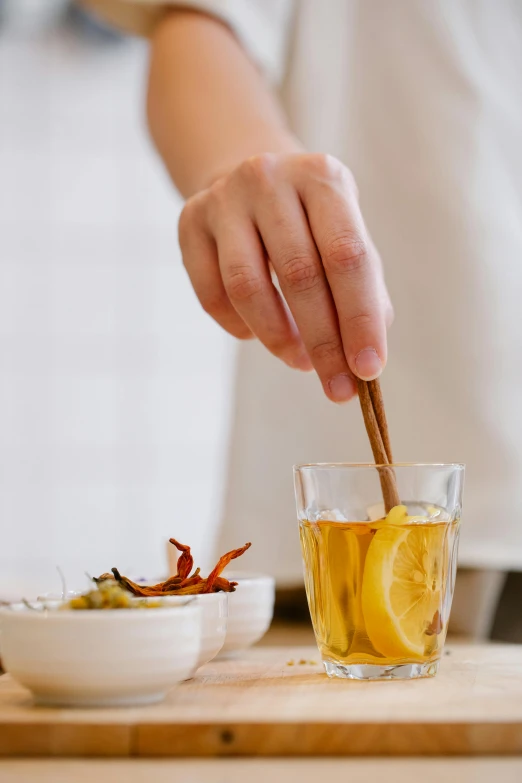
(379, 585)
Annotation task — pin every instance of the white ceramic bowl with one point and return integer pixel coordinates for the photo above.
(250, 610)
(111, 657)
(214, 610)
(214, 615)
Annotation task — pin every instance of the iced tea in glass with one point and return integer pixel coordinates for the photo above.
(379, 586)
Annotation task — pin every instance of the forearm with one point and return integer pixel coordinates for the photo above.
(208, 106)
(251, 215)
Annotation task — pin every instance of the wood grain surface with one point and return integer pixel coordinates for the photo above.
(259, 705)
(457, 770)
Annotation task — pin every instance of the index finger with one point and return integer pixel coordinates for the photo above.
(352, 272)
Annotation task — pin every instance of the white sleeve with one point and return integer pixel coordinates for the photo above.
(262, 26)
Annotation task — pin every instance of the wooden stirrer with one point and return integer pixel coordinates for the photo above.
(372, 405)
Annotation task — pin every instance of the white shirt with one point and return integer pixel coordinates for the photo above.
(423, 101)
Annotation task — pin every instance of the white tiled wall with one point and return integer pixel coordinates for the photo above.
(114, 386)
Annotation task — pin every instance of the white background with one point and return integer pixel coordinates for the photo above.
(113, 383)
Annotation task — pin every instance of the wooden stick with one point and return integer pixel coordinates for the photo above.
(372, 405)
(380, 415)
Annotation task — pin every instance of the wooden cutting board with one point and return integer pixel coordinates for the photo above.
(257, 770)
(259, 705)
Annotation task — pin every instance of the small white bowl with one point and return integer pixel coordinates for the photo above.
(214, 610)
(214, 618)
(112, 657)
(250, 610)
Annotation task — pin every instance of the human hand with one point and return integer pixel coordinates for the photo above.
(296, 217)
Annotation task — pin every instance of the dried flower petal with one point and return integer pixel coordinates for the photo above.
(224, 585)
(182, 583)
(436, 625)
(222, 563)
(140, 590)
(185, 560)
(170, 583)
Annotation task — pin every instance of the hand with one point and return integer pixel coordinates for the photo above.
(295, 217)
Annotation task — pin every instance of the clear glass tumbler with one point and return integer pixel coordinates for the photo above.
(379, 585)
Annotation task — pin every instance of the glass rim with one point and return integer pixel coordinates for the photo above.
(344, 465)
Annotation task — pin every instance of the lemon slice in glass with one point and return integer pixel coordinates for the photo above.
(402, 588)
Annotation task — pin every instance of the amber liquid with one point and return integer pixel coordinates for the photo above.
(335, 556)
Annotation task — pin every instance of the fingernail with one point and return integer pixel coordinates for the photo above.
(367, 364)
(342, 388)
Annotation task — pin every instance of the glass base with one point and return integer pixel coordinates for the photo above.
(368, 671)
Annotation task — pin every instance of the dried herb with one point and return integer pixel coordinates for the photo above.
(436, 625)
(185, 560)
(221, 565)
(109, 595)
(182, 583)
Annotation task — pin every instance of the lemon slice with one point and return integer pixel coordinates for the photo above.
(402, 588)
(398, 515)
